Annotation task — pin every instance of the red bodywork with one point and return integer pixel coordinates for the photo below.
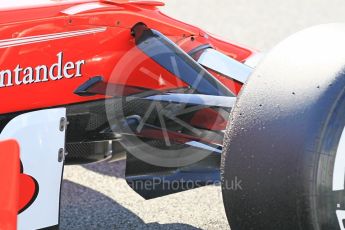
(48, 51)
(9, 183)
(34, 36)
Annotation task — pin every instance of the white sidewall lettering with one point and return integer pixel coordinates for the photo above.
(339, 176)
(341, 217)
(339, 165)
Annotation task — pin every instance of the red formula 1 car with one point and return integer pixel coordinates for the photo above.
(84, 81)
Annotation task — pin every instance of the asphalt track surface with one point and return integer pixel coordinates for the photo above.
(97, 197)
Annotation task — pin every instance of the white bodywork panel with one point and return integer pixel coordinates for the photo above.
(40, 138)
(84, 8)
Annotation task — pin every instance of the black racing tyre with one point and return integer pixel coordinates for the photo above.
(283, 163)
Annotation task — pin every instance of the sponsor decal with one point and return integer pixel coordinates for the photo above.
(28, 190)
(30, 75)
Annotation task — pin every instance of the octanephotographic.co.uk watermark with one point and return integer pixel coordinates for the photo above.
(164, 184)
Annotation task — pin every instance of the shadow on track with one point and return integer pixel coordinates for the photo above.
(84, 208)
